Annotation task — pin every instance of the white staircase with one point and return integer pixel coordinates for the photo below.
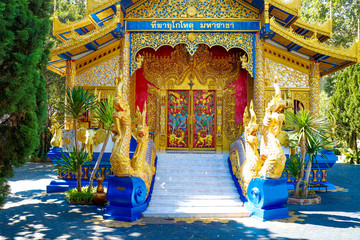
(194, 185)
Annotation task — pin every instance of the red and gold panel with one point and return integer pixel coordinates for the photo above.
(204, 119)
(177, 126)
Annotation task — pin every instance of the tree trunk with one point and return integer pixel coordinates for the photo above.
(79, 179)
(302, 160)
(307, 176)
(77, 154)
(357, 160)
(98, 161)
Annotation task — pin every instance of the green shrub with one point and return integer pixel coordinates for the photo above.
(83, 197)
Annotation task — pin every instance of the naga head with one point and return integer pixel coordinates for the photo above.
(142, 130)
(252, 127)
(277, 104)
(120, 101)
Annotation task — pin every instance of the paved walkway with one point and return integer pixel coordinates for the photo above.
(30, 213)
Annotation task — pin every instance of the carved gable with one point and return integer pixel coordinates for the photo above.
(194, 9)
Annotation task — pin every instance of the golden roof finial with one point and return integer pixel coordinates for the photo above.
(252, 114)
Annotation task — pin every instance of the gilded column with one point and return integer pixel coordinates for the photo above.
(125, 66)
(70, 83)
(163, 101)
(219, 120)
(70, 73)
(314, 79)
(259, 81)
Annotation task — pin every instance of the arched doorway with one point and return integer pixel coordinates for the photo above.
(195, 102)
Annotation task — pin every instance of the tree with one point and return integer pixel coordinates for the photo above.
(309, 131)
(24, 49)
(78, 101)
(345, 104)
(103, 113)
(345, 14)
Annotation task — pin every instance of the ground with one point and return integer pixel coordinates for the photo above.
(30, 213)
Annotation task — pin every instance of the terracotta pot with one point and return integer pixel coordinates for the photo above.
(304, 201)
(99, 197)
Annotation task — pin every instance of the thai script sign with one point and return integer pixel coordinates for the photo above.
(198, 26)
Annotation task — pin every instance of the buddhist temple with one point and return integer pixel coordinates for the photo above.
(197, 64)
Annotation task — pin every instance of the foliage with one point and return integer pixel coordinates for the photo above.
(72, 161)
(70, 10)
(5, 190)
(78, 101)
(103, 113)
(24, 49)
(83, 197)
(350, 155)
(293, 165)
(345, 107)
(309, 132)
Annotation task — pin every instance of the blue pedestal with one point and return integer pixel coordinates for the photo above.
(126, 196)
(267, 197)
(54, 153)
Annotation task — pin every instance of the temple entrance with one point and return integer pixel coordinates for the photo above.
(194, 102)
(191, 119)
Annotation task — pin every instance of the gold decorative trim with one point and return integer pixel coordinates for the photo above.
(324, 29)
(287, 58)
(94, 6)
(60, 27)
(172, 9)
(227, 40)
(290, 6)
(98, 57)
(82, 40)
(313, 44)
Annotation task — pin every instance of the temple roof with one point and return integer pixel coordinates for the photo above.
(105, 23)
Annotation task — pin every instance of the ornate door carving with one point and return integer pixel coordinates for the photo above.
(204, 119)
(191, 119)
(177, 124)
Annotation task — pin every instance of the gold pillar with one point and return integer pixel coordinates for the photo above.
(70, 83)
(219, 121)
(70, 73)
(163, 102)
(259, 81)
(314, 79)
(125, 66)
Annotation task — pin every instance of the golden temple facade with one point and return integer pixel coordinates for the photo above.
(198, 64)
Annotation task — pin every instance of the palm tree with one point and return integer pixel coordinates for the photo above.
(78, 101)
(103, 113)
(72, 162)
(314, 146)
(307, 130)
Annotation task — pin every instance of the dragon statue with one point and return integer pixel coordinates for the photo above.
(253, 163)
(56, 132)
(120, 161)
(272, 153)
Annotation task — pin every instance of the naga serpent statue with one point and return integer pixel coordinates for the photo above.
(271, 151)
(272, 161)
(253, 163)
(120, 161)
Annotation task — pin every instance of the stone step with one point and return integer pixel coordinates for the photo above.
(196, 203)
(193, 186)
(190, 197)
(193, 171)
(192, 178)
(197, 191)
(200, 212)
(201, 165)
(171, 183)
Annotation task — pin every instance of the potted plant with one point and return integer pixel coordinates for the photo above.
(310, 133)
(103, 114)
(78, 101)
